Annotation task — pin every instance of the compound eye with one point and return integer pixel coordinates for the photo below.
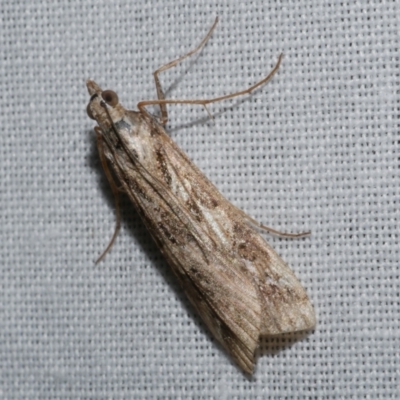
(89, 112)
(110, 97)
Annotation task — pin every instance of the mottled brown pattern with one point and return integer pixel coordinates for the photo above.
(162, 164)
(205, 198)
(246, 251)
(195, 210)
(134, 186)
(238, 284)
(163, 228)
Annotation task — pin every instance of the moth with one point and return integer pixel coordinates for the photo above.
(238, 284)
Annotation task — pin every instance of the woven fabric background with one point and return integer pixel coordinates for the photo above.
(317, 148)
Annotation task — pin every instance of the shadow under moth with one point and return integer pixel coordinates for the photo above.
(238, 284)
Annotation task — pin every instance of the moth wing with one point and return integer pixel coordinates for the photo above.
(216, 282)
(286, 306)
(238, 284)
(230, 308)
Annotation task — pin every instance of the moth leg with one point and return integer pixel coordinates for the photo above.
(160, 93)
(204, 102)
(114, 188)
(274, 231)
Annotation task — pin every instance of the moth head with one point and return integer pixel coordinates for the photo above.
(103, 104)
